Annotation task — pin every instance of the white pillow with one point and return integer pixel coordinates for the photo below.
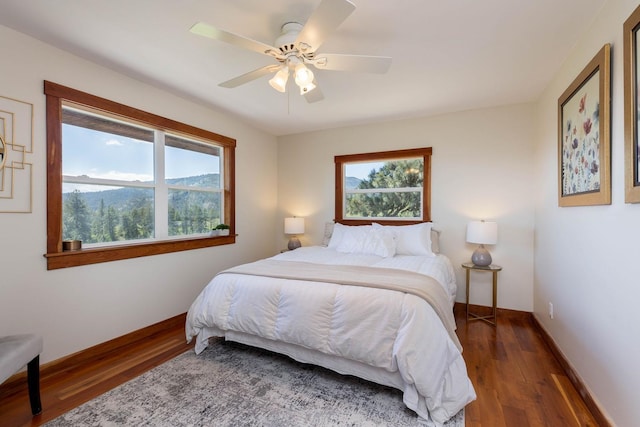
(412, 239)
(435, 240)
(336, 235)
(363, 239)
(328, 232)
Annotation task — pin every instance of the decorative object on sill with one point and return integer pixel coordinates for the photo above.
(483, 233)
(294, 226)
(220, 230)
(16, 174)
(71, 245)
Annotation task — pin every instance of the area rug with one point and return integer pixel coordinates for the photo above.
(231, 384)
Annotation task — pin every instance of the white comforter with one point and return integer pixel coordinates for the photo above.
(390, 331)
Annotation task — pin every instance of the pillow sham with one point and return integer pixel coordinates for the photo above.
(435, 240)
(363, 239)
(412, 239)
(336, 235)
(328, 232)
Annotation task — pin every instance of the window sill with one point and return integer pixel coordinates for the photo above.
(135, 250)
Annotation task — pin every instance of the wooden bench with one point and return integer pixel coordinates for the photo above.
(16, 351)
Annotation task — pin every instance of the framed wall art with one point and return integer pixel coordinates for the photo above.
(631, 112)
(584, 136)
(16, 174)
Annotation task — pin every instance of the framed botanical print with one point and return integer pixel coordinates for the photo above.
(631, 108)
(584, 136)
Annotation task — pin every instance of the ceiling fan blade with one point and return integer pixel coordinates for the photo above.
(251, 75)
(315, 95)
(358, 63)
(212, 32)
(324, 20)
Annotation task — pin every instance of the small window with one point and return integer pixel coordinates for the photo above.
(128, 183)
(386, 187)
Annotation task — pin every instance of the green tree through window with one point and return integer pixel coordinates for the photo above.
(76, 218)
(398, 175)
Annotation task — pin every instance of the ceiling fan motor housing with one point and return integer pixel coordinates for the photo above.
(288, 35)
(286, 43)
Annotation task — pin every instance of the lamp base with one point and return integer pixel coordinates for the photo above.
(294, 243)
(481, 257)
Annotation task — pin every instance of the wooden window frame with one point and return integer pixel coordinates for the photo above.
(340, 162)
(57, 258)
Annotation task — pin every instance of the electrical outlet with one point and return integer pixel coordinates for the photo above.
(551, 310)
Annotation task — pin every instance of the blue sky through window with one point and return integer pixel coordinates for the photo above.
(103, 155)
(362, 170)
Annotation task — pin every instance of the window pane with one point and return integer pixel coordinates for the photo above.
(191, 164)
(384, 205)
(362, 179)
(389, 174)
(192, 212)
(100, 213)
(98, 147)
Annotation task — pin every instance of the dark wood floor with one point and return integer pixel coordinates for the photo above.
(518, 381)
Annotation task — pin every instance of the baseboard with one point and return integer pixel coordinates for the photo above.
(595, 410)
(66, 363)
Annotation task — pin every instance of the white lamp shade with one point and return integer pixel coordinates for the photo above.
(307, 88)
(303, 75)
(279, 81)
(294, 225)
(482, 232)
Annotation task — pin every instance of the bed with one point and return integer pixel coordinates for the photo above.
(375, 302)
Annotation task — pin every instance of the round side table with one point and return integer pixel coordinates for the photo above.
(494, 269)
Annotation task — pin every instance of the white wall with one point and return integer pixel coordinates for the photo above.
(78, 307)
(481, 168)
(495, 163)
(586, 258)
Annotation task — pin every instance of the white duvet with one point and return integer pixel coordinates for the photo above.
(382, 335)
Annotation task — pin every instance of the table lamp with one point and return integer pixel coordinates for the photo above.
(483, 233)
(294, 226)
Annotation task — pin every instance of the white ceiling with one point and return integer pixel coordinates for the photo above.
(448, 55)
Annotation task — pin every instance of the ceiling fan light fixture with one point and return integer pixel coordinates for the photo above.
(307, 88)
(303, 75)
(279, 81)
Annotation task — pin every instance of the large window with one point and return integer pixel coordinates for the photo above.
(387, 187)
(128, 183)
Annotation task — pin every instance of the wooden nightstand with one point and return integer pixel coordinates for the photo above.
(468, 266)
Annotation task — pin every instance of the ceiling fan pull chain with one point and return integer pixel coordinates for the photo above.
(288, 103)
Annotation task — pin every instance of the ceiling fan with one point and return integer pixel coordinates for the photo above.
(296, 49)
